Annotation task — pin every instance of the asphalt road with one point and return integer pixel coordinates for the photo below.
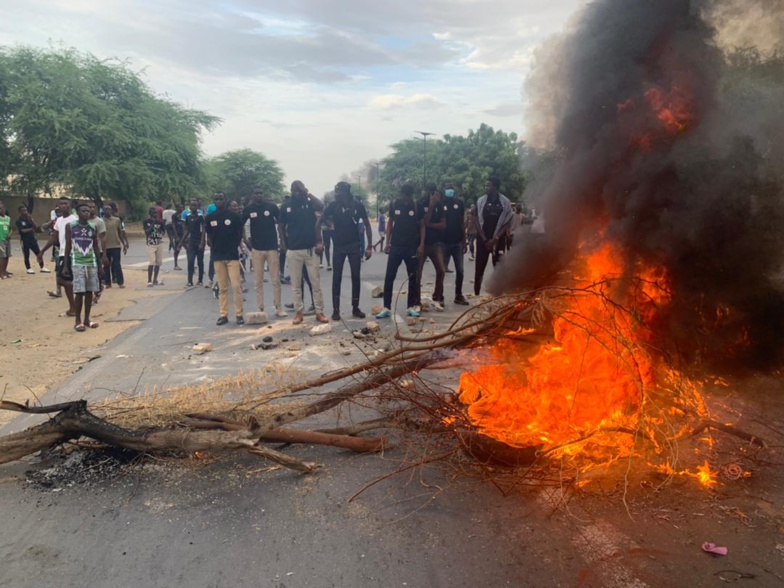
(162, 523)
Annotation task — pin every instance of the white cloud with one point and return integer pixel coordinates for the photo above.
(391, 101)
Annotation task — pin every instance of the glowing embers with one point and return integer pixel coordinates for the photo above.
(588, 392)
(658, 116)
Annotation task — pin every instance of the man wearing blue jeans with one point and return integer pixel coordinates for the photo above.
(454, 238)
(405, 244)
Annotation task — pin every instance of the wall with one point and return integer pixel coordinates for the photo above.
(42, 207)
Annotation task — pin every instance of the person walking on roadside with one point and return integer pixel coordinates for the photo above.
(116, 247)
(454, 238)
(168, 214)
(494, 217)
(405, 244)
(64, 280)
(382, 230)
(224, 235)
(154, 232)
(83, 264)
(27, 228)
(5, 242)
(300, 237)
(345, 214)
(263, 215)
(434, 211)
(193, 238)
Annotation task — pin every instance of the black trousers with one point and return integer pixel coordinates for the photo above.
(397, 255)
(115, 268)
(455, 251)
(195, 255)
(326, 236)
(341, 253)
(27, 247)
(482, 257)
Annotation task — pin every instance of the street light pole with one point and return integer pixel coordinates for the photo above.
(425, 135)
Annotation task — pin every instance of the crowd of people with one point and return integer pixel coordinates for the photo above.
(436, 227)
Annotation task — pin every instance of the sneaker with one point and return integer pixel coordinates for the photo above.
(289, 305)
(329, 268)
(215, 292)
(285, 280)
(449, 271)
(240, 320)
(462, 301)
(413, 312)
(471, 258)
(177, 268)
(386, 313)
(280, 313)
(222, 321)
(321, 266)
(189, 285)
(149, 284)
(358, 313)
(121, 285)
(31, 271)
(46, 270)
(209, 284)
(438, 306)
(336, 315)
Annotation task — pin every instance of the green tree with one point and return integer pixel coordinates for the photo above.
(237, 173)
(467, 161)
(95, 128)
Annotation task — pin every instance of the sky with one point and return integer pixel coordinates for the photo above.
(321, 86)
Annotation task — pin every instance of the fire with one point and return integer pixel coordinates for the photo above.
(588, 393)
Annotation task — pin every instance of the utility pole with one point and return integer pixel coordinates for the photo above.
(425, 135)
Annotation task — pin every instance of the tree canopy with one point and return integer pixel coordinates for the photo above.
(237, 173)
(467, 161)
(95, 128)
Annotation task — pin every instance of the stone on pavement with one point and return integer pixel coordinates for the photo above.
(256, 318)
(373, 326)
(376, 309)
(320, 330)
(201, 348)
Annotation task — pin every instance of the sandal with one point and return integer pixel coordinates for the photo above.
(54, 294)
(80, 328)
(91, 324)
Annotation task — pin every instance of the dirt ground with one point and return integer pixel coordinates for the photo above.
(38, 345)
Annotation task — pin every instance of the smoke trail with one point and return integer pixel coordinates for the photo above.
(672, 145)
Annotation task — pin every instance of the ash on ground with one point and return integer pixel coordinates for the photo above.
(81, 468)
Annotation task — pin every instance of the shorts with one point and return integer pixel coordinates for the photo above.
(58, 269)
(5, 249)
(155, 254)
(85, 279)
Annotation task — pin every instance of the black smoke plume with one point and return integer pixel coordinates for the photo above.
(671, 144)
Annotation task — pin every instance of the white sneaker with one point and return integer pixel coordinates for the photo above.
(280, 313)
(438, 306)
(31, 271)
(45, 270)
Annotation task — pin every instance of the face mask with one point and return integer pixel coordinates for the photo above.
(449, 193)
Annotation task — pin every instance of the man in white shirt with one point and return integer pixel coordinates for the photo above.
(64, 219)
(167, 219)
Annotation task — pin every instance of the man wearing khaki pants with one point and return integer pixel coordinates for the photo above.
(300, 235)
(263, 217)
(224, 235)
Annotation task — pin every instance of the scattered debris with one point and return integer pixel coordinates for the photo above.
(268, 339)
(376, 309)
(295, 347)
(264, 346)
(320, 330)
(256, 318)
(713, 548)
(373, 326)
(201, 348)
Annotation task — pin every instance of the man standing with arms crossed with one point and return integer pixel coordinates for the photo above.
(344, 213)
(263, 217)
(224, 235)
(300, 237)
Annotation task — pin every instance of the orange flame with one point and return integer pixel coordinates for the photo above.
(584, 394)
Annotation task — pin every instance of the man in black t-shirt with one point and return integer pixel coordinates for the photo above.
(453, 241)
(405, 244)
(193, 238)
(494, 217)
(154, 231)
(300, 236)
(224, 234)
(344, 214)
(434, 212)
(27, 228)
(263, 217)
